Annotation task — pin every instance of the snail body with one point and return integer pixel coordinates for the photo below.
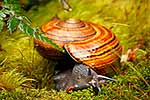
(86, 43)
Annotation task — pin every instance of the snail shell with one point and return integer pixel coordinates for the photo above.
(85, 42)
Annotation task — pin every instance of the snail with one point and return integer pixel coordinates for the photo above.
(80, 77)
(88, 44)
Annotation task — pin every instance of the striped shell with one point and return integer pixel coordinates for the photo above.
(85, 42)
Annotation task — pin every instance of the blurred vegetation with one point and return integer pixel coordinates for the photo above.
(25, 75)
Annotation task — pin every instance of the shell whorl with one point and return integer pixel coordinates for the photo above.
(100, 50)
(71, 30)
(71, 23)
(85, 42)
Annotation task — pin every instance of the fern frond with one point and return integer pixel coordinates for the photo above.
(31, 32)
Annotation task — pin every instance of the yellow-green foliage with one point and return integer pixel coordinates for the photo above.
(128, 19)
(11, 80)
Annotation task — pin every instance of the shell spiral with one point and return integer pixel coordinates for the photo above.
(85, 42)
